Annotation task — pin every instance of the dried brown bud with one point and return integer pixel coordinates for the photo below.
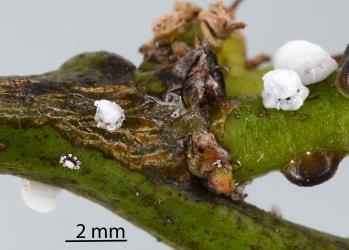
(217, 24)
(168, 23)
(206, 159)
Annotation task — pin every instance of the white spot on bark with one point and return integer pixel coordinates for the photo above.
(218, 164)
(70, 161)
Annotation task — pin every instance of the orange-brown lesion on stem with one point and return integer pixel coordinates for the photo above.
(207, 160)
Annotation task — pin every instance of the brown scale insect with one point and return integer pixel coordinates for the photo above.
(312, 168)
(199, 76)
(205, 82)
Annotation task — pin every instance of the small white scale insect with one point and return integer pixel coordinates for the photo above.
(296, 63)
(40, 197)
(109, 115)
(284, 90)
(70, 161)
(309, 60)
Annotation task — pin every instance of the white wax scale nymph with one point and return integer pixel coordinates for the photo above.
(40, 197)
(70, 161)
(309, 60)
(109, 115)
(283, 89)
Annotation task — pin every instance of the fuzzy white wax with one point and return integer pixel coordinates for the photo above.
(40, 197)
(70, 161)
(309, 60)
(284, 90)
(109, 115)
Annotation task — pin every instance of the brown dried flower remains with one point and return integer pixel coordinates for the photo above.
(190, 68)
(168, 23)
(217, 23)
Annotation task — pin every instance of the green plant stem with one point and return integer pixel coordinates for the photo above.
(139, 173)
(191, 219)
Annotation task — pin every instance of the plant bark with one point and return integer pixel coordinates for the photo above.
(139, 171)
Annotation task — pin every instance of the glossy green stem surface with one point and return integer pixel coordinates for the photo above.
(264, 140)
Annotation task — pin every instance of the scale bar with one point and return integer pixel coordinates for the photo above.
(119, 240)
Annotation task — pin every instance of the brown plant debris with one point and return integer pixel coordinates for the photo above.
(168, 23)
(208, 160)
(198, 75)
(217, 24)
(257, 61)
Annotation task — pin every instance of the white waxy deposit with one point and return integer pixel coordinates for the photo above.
(40, 197)
(283, 89)
(309, 60)
(109, 115)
